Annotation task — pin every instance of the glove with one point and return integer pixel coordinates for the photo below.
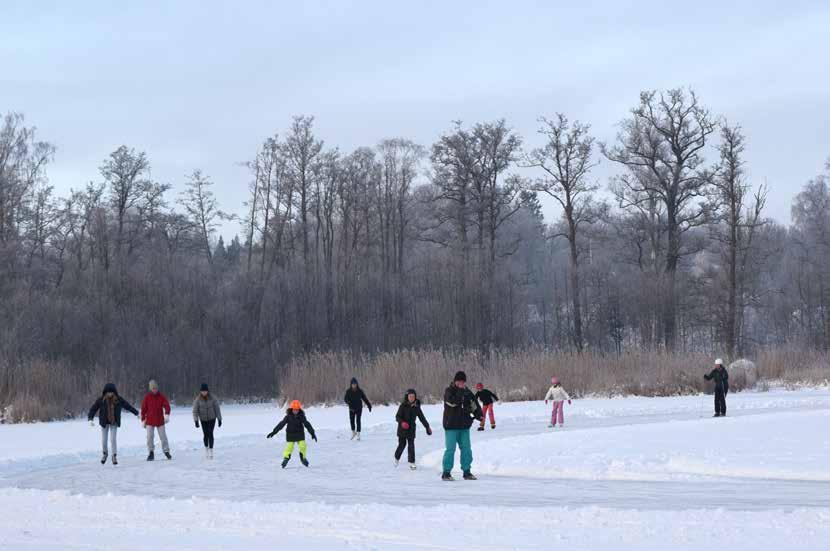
(569, 402)
(270, 435)
(143, 424)
(220, 422)
(404, 425)
(370, 409)
(197, 424)
(166, 419)
(314, 437)
(429, 431)
(91, 423)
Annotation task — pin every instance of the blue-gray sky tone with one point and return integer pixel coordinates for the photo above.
(201, 84)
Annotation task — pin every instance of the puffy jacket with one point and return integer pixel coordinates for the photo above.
(206, 409)
(460, 408)
(355, 398)
(557, 394)
(721, 378)
(153, 409)
(486, 397)
(408, 413)
(294, 426)
(101, 407)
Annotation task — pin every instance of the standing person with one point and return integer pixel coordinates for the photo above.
(721, 378)
(108, 407)
(460, 409)
(206, 411)
(408, 412)
(155, 413)
(355, 398)
(295, 423)
(487, 398)
(558, 395)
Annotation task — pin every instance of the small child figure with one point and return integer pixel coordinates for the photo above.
(487, 398)
(558, 395)
(295, 422)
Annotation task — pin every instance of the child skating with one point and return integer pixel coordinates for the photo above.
(295, 424)
(558, 395)
(408, 412)
(487, 398)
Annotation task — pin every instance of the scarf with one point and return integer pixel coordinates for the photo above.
(111, 400)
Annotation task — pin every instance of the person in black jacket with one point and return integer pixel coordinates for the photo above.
(408, 412)
(460, 409)
(486, 398)
(355, 398)
(108, 407)
(721, 378)
(294, 422)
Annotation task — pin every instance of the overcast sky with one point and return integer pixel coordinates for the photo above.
(201, 84)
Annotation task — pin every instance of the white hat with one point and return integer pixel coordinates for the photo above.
(153, 385)
(719, 362)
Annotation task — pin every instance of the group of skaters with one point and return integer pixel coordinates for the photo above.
(462, 409)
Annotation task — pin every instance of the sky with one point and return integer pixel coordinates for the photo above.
(199, 84)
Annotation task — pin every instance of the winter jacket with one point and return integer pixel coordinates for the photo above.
(408, 413)
(355, 398)
(460, 408)
(721, 378)
(102, 408)
(206, 409)
(486, 397)
(557, 394)
(153, 409)
(294, 425)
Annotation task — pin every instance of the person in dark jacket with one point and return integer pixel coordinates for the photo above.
(408, 412)
(295, 424)
(355, 398)
(721, 378)
(206, 412)
(108, 408)
(486, 398)
(460, 409)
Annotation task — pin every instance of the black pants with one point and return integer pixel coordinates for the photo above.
(403, 441)
(354, 418)
(720, 401)
(207, 432)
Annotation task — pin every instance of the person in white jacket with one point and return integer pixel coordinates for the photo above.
(558, 395)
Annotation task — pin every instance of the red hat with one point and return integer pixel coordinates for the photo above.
(479, 386)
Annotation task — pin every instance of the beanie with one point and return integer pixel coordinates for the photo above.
(460, 376)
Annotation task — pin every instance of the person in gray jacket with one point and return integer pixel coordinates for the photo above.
(207, 413)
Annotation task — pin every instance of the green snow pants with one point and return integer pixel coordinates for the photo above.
(460, 438)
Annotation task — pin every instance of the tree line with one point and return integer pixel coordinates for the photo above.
(401, 245)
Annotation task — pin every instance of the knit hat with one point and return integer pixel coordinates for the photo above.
(460, 376)
(479, 386)
(295, 404)
(153, 385)
(204, 388)
(408, 392)
(554, 381)
(718, 362)
(354, 381)
(109, 387)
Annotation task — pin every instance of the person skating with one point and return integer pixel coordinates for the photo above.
(155, 414)
(408, 412)
(721, 378)
(460, 410)
(206, 412)
(355, 398)
(558, 395)
(108, 408)
(487, 398)
(295, 423)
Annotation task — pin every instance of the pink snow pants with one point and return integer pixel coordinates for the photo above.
(558, 411)
(485, 410)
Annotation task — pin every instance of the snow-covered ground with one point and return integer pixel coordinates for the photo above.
(626, 473)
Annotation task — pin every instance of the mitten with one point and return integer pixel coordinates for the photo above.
(220, 422)
(197, 424)
(429, 431)
(404, 425)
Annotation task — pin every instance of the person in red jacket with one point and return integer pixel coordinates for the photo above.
(155, 413)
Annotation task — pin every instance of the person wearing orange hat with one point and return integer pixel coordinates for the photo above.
(295, 423)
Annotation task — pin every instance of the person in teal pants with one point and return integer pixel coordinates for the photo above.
(460, 410)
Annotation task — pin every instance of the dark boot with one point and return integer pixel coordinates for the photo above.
(469, 476)
(480, 428)
(304, 461)
(167, 455)
(446, 476)
(104, 458)
(114, 459)
(151, 456)
(285, 461)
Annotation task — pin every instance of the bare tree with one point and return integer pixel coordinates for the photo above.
(200, 205)
(126, 172)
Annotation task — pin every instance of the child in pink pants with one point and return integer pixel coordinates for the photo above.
(558, 395)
